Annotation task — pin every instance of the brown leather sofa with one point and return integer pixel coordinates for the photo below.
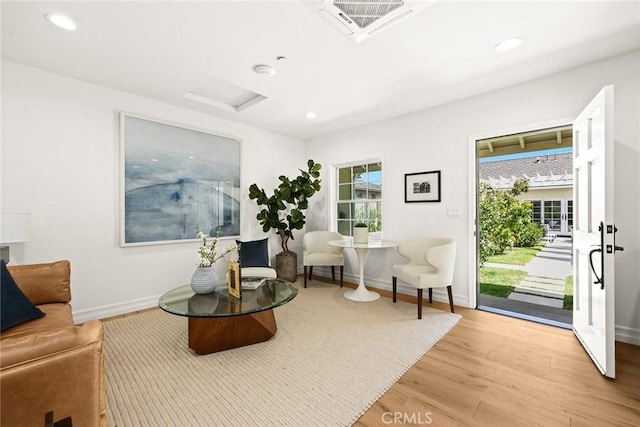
(51, 372)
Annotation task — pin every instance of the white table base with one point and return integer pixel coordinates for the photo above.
(361, 293)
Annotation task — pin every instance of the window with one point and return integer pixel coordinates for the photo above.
(536, 211)
(359, 197)
(553, 214)
(557, 214)
(570, 215)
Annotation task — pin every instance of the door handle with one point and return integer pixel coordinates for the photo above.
(610, 249)
(598, 279)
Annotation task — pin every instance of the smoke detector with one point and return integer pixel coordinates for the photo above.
(264, 70)
(360, 19)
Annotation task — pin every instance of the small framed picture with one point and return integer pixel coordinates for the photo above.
(234, 281)
(422, 187)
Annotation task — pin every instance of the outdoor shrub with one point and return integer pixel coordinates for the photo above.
(530, 235)
(505, 221)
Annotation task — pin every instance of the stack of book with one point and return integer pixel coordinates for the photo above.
(250, 283)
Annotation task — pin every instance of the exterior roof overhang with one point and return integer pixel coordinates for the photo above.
(543, 139)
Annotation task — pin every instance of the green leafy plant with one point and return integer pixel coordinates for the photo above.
(505, 221)
(284, 210)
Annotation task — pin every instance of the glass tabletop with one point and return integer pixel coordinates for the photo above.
(183, 301)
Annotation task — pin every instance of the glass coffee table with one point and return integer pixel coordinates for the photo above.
(219, 322)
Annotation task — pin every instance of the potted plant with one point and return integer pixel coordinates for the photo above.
(283, 212)
(205, 278)
(360, 233)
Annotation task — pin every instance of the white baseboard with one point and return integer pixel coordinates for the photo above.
(111, 310)
(628, 335)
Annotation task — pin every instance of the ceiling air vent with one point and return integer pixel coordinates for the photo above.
(360, 19)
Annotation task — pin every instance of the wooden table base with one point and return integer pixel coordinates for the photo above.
(211, 334)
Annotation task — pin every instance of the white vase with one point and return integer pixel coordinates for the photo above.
(204, 280)
(360, 235)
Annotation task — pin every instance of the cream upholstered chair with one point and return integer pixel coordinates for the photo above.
(254, 259)
(431, 264)
(316, 251)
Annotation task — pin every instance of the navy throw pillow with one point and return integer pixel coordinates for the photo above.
(15, 307)
(254, 253)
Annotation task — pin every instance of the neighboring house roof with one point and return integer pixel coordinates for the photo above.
(553, 170)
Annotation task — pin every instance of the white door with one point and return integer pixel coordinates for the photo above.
(594, 231)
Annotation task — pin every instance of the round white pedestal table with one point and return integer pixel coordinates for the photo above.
(361, 293)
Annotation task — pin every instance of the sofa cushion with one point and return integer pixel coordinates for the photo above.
(44, 283)
(56, 316)
(16, 350)
(15, 307)
(254, 253)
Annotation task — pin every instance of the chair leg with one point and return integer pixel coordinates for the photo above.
(430, 296)
(333, 274)
(450, 297)
(310, 271)
(305, 276)
(341, 274)
(419, 303)
(394, 281)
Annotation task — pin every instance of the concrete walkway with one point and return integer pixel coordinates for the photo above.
(548, 270)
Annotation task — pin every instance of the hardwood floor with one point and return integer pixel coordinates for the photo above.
(492, 370)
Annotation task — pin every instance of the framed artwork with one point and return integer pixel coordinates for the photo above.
(422, 187)
(235, 280)
(174, 180)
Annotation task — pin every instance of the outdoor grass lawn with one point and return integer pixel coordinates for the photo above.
(499, 282)
(517, 256)
(567, 304)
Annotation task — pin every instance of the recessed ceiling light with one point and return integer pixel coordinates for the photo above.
(61, 21)
(509, 44)
(310, 115)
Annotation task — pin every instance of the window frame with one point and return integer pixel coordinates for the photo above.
(335, 190)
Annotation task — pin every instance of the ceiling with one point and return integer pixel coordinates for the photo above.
(444, 52)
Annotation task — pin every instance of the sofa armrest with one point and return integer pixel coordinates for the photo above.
(58, 374)
(44, 283)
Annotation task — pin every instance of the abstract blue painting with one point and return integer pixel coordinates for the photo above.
(176, 180)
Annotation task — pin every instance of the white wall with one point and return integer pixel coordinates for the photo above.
(60, 162)
(547, 194)
(439, 139)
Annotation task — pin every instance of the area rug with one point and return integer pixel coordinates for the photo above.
(330, 360)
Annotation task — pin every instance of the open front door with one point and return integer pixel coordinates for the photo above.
(594, 231)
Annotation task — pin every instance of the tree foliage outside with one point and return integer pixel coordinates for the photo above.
(505, 221)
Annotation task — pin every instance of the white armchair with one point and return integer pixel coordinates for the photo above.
(431, 264)
(316, 251)
(254, 259)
